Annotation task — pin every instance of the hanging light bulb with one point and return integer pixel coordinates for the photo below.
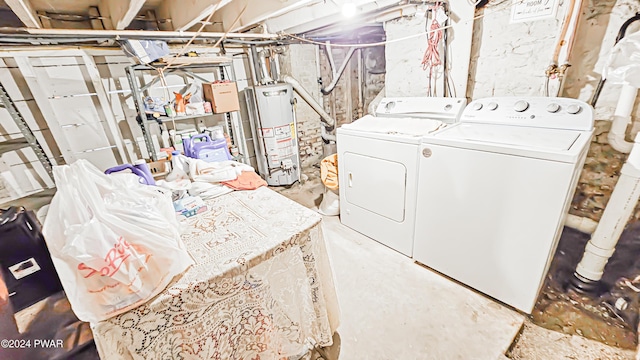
(349, 9)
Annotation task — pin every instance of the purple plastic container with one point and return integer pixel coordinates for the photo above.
(206, 149)
(141, 169)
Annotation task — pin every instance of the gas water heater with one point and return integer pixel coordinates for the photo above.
(270, 110)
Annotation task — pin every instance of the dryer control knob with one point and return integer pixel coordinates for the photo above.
(477, 106)
(553, 108)
(521, 106)
(492, 106)
(574, 109)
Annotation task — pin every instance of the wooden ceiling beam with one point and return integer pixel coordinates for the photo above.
(255, 13)
(184, 17)
(121, 12)
(24, 11)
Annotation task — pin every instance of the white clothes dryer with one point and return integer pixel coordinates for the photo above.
(495, 190)
(378, 166)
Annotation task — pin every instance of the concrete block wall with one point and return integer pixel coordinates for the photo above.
(300, 61)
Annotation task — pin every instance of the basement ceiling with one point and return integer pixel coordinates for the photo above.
(272, 16)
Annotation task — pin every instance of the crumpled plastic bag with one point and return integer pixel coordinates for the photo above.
(115, 243)
(623, 65)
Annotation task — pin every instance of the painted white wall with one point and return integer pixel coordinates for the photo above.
(510, 59)
(407, 42)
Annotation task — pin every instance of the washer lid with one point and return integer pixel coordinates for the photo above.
(394, 126)
(519, 136)
(540, 143)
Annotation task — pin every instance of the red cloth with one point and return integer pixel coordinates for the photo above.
(247, 180)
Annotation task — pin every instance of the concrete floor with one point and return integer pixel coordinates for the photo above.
(393, 308)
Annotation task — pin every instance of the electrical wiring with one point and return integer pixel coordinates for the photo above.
(431, 59)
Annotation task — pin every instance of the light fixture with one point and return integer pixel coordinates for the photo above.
(349, 9)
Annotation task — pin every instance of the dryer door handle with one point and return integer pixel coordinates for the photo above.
(350, 179)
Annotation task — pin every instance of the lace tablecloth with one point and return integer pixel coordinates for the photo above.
(262, 288)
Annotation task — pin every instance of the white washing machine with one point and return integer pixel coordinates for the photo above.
(378, 166)
(495, 190)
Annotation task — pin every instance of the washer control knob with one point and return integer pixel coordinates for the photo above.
(553, 108)
(521, 106)
(574, 109)
(477, 106)
(492, 106)
(390, 105)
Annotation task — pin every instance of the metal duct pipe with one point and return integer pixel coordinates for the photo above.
(336, 75)
(328, 121)
(276, 66)
(265, 78)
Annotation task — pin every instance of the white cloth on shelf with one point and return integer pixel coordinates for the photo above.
(215, 172)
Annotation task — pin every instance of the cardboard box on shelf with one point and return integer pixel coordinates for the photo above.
(222, 96)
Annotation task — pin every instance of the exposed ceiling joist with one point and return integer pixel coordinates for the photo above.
(320, 14)
(121, 12)
(256, 12)
(24, 11)
(184, 17)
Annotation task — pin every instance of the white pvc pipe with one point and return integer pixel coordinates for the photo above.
(616, 215)
(581, 224)
(621, 118)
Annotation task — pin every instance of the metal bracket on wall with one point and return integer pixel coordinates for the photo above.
(29, 137)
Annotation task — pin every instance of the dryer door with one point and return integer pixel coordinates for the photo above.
(376, 185)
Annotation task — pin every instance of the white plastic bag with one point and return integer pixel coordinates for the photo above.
(114, 242)
(623, 65)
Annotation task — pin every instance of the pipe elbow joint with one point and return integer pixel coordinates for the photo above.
(618, 143)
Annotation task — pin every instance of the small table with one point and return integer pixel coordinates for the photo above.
(261, 287)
